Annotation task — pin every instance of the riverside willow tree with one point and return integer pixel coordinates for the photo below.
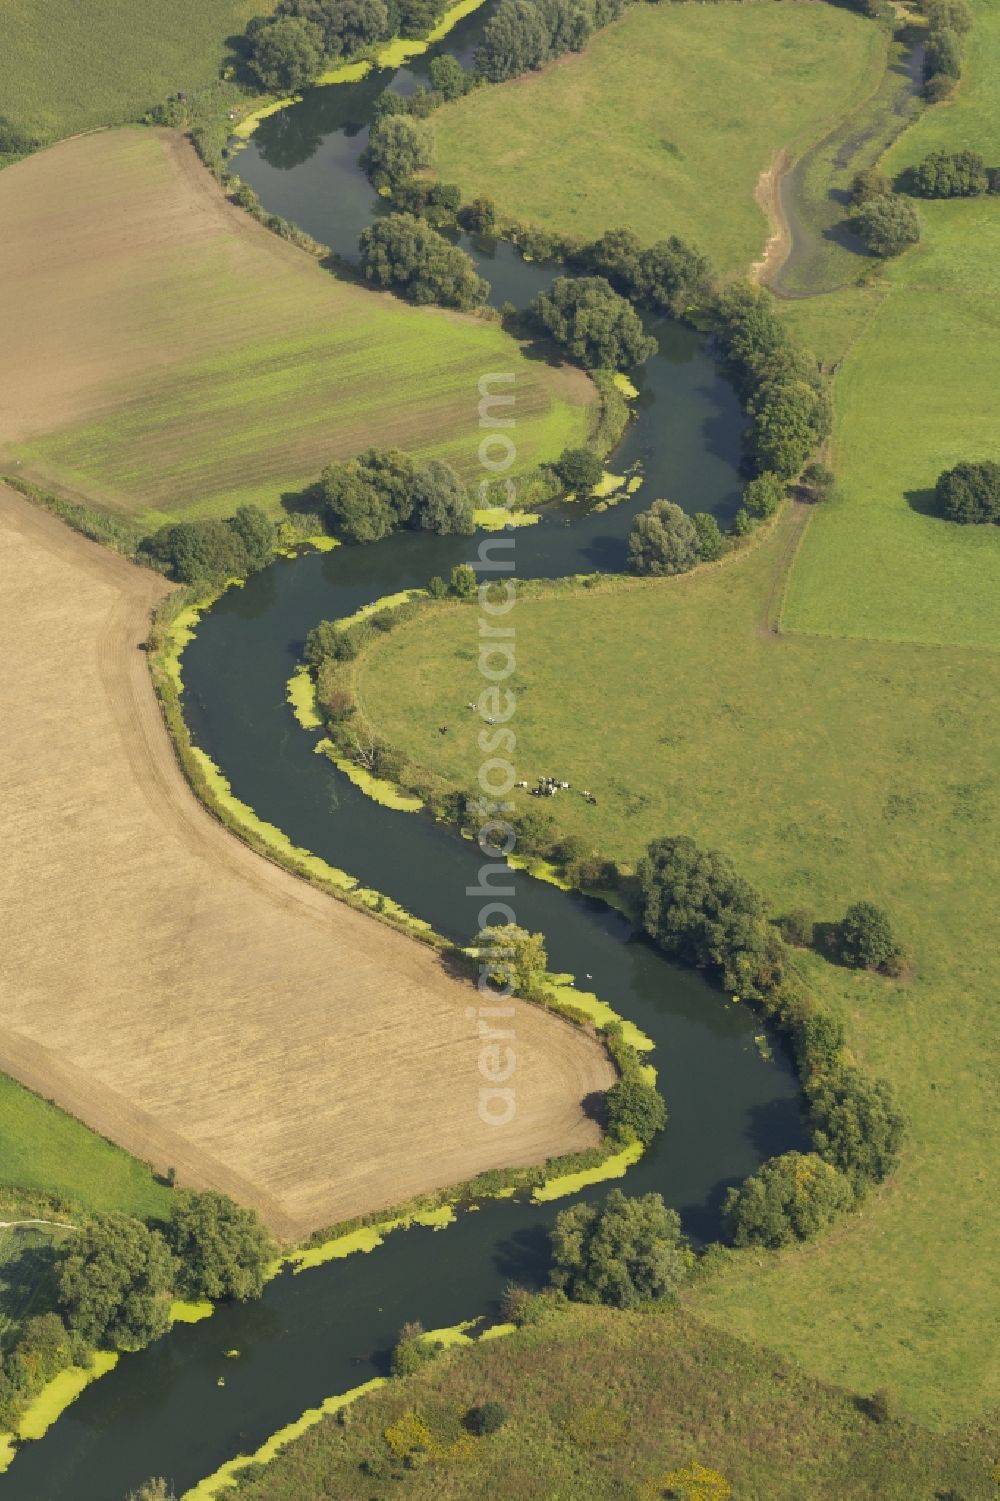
(209, 552)
(593, 322)
(114, 1280)
(625, 1252)
(856, 1125)
(887, 225)
(345, 25)
(222, 1248)
(698, 909)
(663, 540)
(398, 147)
(286, 53)
(402, 252)
(667, 276)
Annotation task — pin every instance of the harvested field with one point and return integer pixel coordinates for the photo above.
(166, 354)
(189, 1000)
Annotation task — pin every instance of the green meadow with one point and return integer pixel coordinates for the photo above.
(603, 1405)
(665, 122)
(830, 770)
(917, 393)
(67, 66)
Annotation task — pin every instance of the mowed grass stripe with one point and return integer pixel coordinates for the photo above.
(195, 361)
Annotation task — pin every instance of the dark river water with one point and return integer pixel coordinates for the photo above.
(162, 1412)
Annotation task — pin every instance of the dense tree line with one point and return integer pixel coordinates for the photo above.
(666, 276)
(594, 323)
(970, 493)
(211, 551)
(525, 34)
(779, 384)
(368, 497)
(402, 252)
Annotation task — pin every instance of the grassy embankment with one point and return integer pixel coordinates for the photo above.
(242, 367)
(829, 771)
(664, 123)
(917, 393)
(603, 1403)
(67, 67)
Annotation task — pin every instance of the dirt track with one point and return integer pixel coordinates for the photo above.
(187, 999)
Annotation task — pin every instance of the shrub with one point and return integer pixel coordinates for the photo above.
(579, 469)
(636, 1107)
(13, 140)
(463, 582)
(819, 1045)
(403, 252)
(887, 225)
(223, 1249)
(797, 927)
(881, 1405)
(763, 495)
(287, 53)
(951, 15)
(970, 493)
(412, 1350)
(943, 54)
(114, 1281)
(855, 1125)
(819, 479)
(865, 939)
(867, 184)
(959, 174)
(663, 540)
(710, 542)
(517, 959)
(789, 1198)
(488, 1417)
(480, 216)
(596, 325)
(698, 909)
(625, 1252)
(939, 88)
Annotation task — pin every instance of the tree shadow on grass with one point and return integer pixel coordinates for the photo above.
(924, 502)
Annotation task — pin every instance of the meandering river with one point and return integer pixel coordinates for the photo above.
(182, 1408)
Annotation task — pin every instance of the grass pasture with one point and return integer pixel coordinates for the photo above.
(67, 66)
(167, 355)
(603, 1403)
(830, 770)
(665, 122)
(918, 392)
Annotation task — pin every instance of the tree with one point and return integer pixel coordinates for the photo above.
(950, 15)
(867, 184)
(763, 495)
(517, 960)
(256, 531)
(865, 939)
(401, 251)
(617, 256)
(698, 909)
(200, 552)
(959, 174)
(287, 54)
(346, 25)
(792, 1197)
(887, 225)
(855, 1125)
(788, 419)
(515, 39)
(488, 1417)
(449, 78)
(598, 327)
(672, 274)
(398, 146)
(970, 493)
(440, 500)
(624, 1252)
(114, 1282)
(663, 540)
(368, 497)
(710, 541)
(480, 216)
(943, 54)
(463, 581)
(223, 1249)
(637, 1107)
(579, 469)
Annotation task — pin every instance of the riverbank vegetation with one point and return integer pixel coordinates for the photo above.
(856, 800)
(631, 133)
(242, 368)
(607, 1403)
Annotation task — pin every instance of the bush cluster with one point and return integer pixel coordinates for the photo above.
(970, 493)
(525, 34)
(403, 252)
(384, 488)
(209, 552)
(779, 384)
